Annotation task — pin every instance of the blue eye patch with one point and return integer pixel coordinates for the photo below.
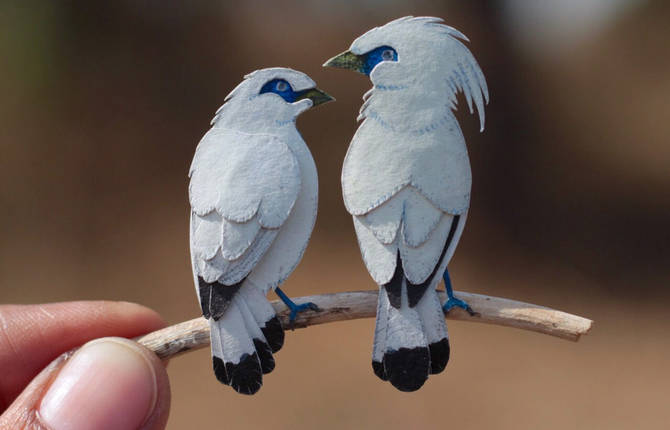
(376, 56)
(282, 89)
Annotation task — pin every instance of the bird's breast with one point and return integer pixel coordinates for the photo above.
(381, 162)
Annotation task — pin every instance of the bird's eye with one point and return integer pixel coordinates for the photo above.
(281, 88)
(387, 55)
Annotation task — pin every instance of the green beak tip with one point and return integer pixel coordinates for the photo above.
(317, 96)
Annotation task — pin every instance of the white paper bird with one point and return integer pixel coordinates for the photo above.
(253, 196)
(406, 181)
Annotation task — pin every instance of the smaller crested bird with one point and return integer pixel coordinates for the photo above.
(253, 196)
(406, 182)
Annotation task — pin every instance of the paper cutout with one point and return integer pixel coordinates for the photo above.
(406, 181)
(253, 195)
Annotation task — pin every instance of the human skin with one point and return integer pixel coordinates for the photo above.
(48, 380)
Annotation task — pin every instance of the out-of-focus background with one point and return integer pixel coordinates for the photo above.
(103, 103)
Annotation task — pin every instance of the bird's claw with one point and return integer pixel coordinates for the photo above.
(295, 309)
(453, 302)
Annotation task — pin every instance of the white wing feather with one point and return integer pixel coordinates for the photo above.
(240, 175)
(421, 231)
(243, 188)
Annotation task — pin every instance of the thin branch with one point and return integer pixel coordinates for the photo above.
(194, 334)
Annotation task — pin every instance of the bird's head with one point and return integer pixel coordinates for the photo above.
(270, 97)
(404, 50)
(418, 59)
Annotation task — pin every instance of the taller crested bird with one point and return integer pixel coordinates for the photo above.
(253, 196)
(406, 181)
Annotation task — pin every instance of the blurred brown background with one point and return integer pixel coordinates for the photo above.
(102, 105)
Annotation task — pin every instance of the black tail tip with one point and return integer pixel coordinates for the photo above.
(439, 355)
(220, 371)
(378, 368)
(407, 368)
(246, 376)
(274, 333)
(264, 356)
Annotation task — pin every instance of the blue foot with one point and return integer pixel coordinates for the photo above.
(300, 308)
(453, 302)
(295, 308)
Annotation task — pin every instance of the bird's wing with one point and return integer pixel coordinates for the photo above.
(410, 226)
(243, 188)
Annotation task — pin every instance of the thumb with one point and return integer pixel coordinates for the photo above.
(109, 383)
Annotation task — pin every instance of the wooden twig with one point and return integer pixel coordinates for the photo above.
(194, 334)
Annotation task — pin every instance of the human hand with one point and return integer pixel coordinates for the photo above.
(110, 383)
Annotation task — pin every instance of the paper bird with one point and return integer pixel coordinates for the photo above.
(406, 181)
(253, 195)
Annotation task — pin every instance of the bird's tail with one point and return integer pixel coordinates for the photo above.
(244, 339)
(410, 342)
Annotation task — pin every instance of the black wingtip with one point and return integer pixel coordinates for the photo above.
(394, 286)
(407, 368)
(274, 333)
(205, 291)
(416, 291)
(378, 368)
(264, 356)
(439, 355)
(246, 376)
(220, 371)
(215, 297)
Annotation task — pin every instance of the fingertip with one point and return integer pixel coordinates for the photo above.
(104, 377)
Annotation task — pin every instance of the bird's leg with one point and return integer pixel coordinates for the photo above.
(295, 308)
(452, 301)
